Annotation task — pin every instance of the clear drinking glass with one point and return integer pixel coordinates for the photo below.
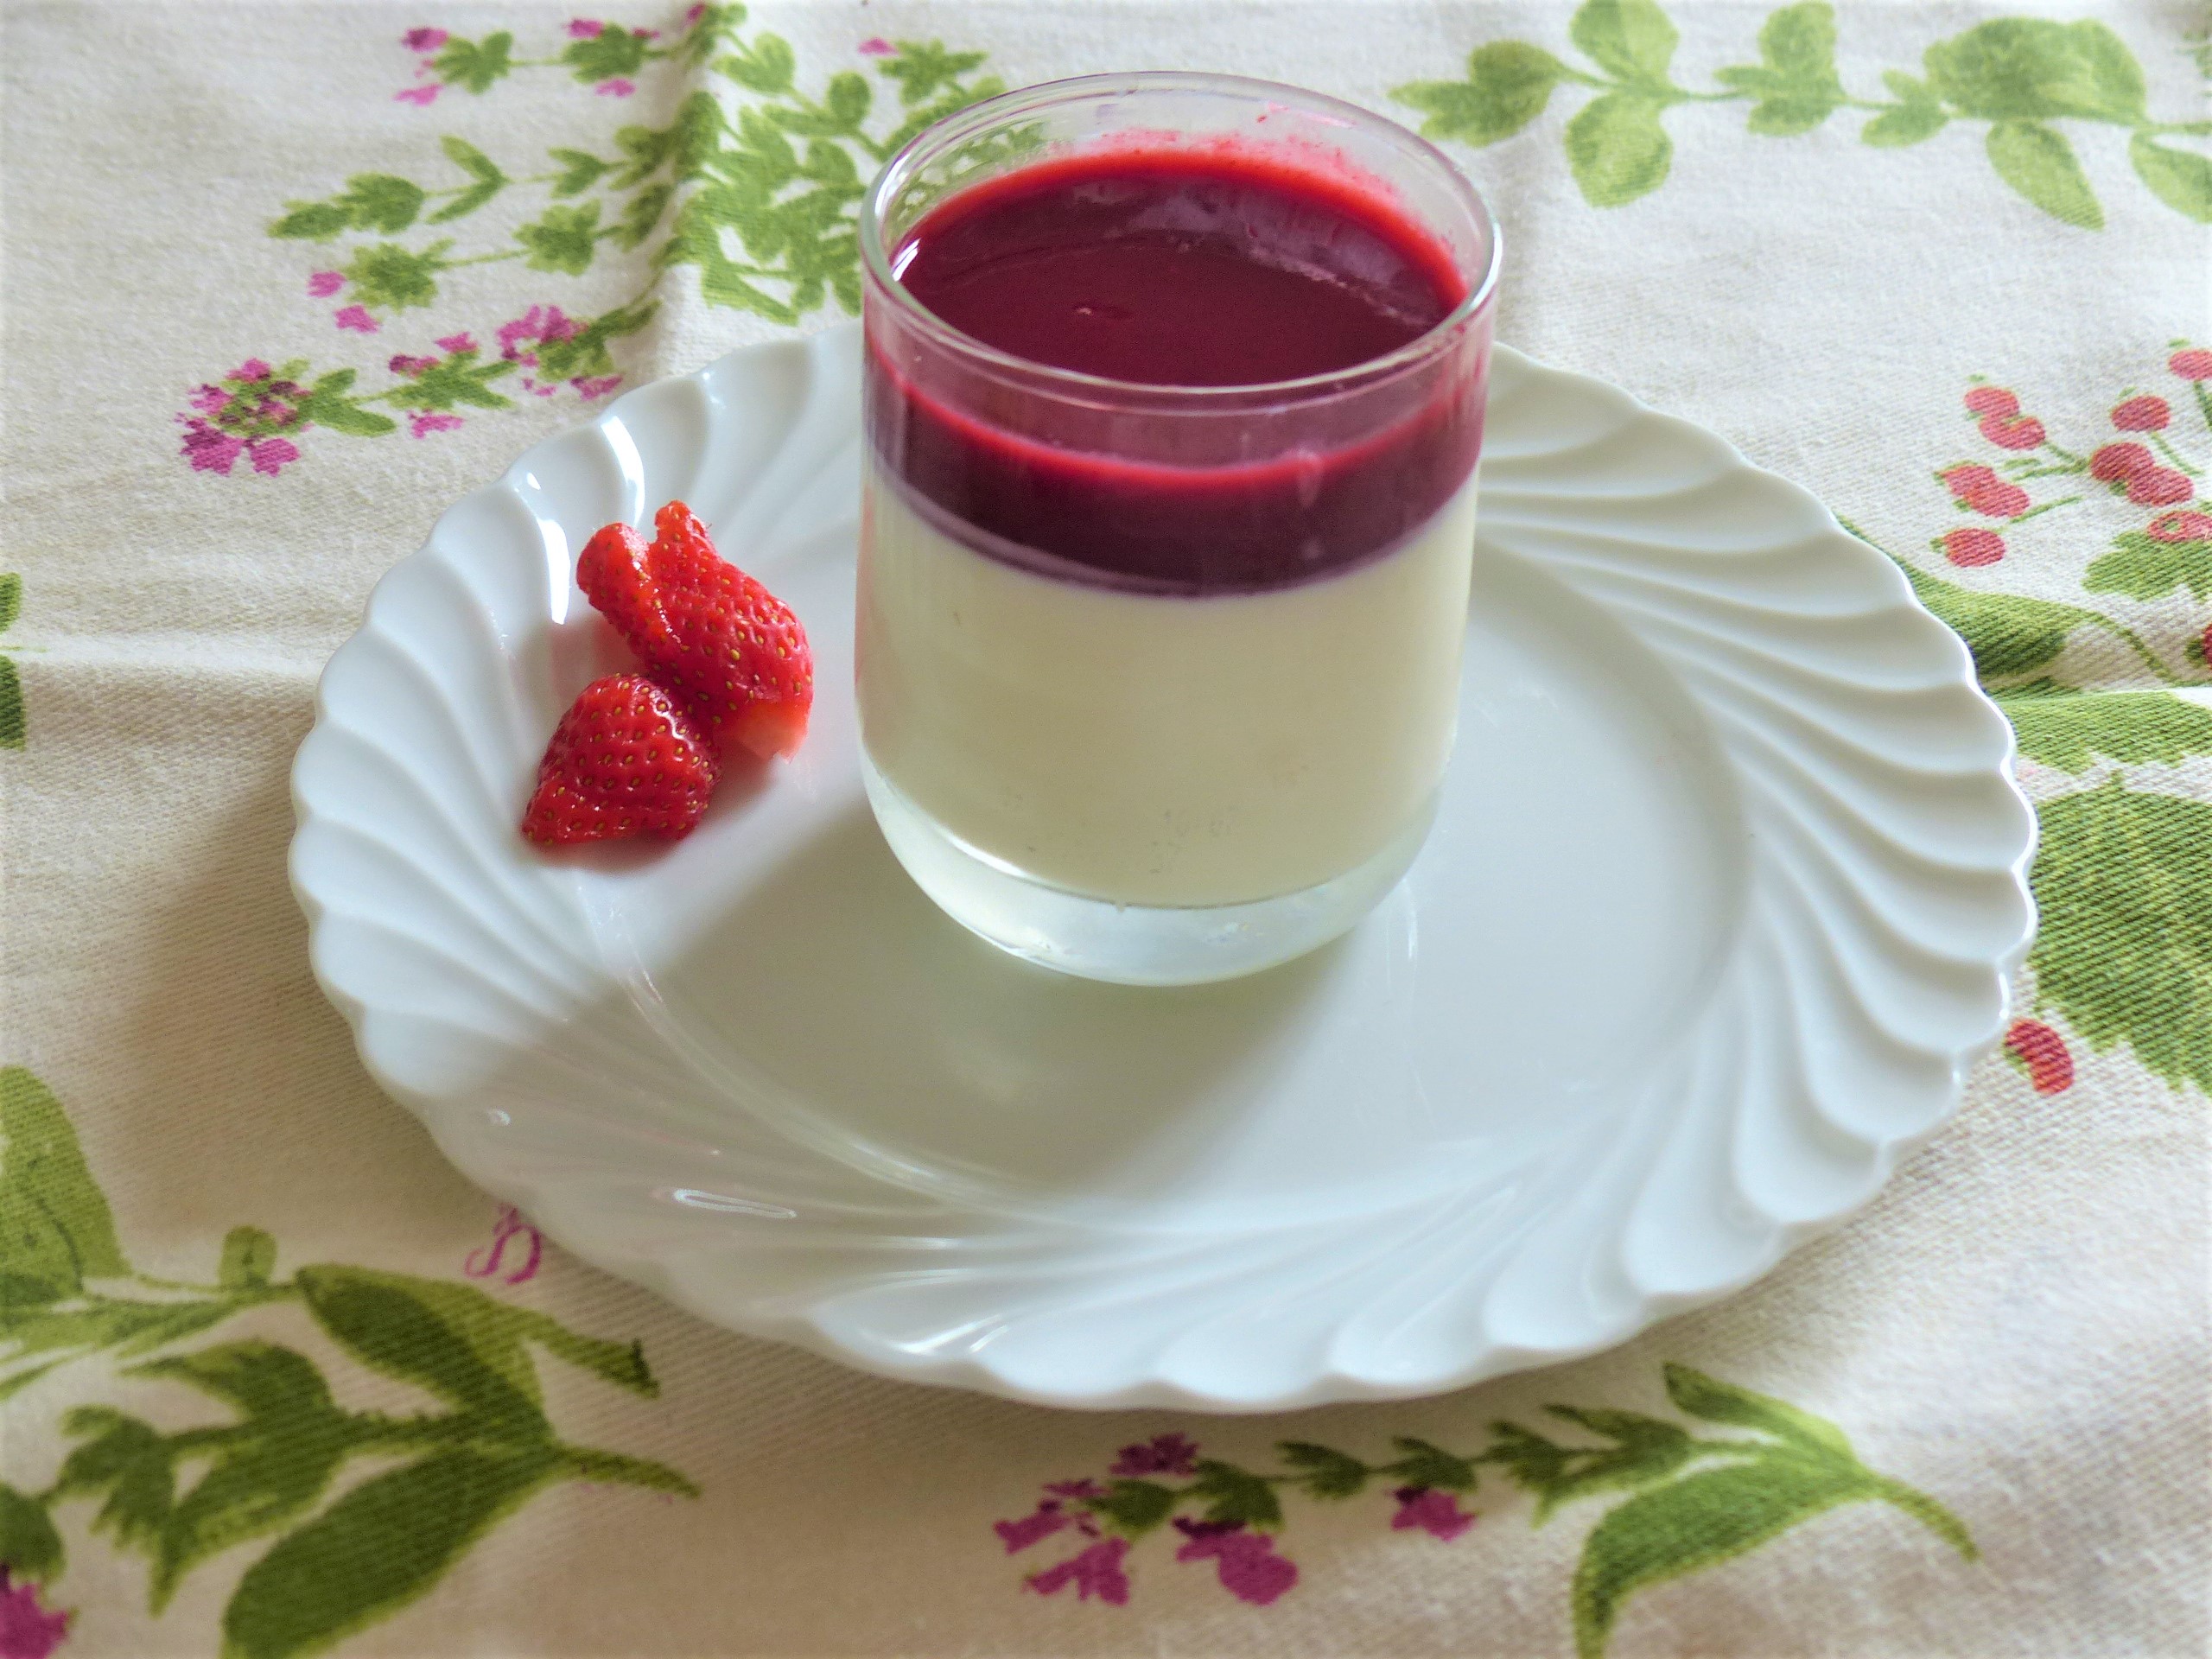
(1157, 683)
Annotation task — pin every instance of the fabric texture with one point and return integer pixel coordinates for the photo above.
(282, 281)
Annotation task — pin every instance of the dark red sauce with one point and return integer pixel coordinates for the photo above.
(1185, 269)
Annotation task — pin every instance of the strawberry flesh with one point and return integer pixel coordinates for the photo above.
(625, 760)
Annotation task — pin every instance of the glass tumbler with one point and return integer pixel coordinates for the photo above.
(1157, 683)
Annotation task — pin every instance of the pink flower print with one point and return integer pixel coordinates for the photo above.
(461, 342)
(2145, 414)
(508, 1224)
(1249, 1567)
(357, 318)
(422, 97)
(253, 369)
(1985, 401)
(2115, 463)
(1436, 1513)
(422, 425)
(877, 47)
(617, 87)
(2043, 1051)
(1047, 1519)
(1973, 547)
(692, 17)
(411, 366)
(2160, 486)
(2194, 363)
(2012, 431)
(585, 29)
(595, 386)
(1164, 1454)
(424, 40)
(270, 455)
(323, 283)
(210, 450)
(1097, 1571)
(2180, 527)
(210, 400)
(27, 1630)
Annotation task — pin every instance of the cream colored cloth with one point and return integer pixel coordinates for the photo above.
(2017, 1329)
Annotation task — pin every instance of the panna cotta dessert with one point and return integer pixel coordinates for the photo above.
(1174, 394)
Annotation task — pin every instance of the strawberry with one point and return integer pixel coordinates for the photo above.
(625, 760)
(615, 575)
(730, 650)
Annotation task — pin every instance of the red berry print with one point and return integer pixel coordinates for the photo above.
(1980, 490)
(2194, 363)
(2116, 463)
(2204, 645)
(2182, 527)
(2014, 431)
(1992, 400)
(2160, 486)
(2145, 414)
(2043, 1051)
(1973, 547)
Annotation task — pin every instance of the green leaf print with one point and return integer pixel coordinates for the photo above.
(179, 1498)
(248, 1257)
(2124, 948)
(489, 180)
(386, 276)
(581, 169)
(766, 65)
(1917, 115)
(1794, 79)
(2144, 568)
(1134, 1508)
(378, 1548)
(2063, 727)
(1507, 84)
(2020, 75)
(266, 1469)
(2180, 178)
(467, 64)
(924, 68)
(29, 1547)
(2008, 633)
(564, 239)
(1324, 1471)
(13, 729)
(1632, 39)
(1617, 148)
(610, 54)
(1717, 1402)
(1693, 1502)
(2037, 161)
(1233, 1495)
(1642, 1450)
(55, 1229)
(128, 1461)
(1705, 1518)
(11, 600)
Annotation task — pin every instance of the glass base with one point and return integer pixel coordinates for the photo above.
(1129, 945)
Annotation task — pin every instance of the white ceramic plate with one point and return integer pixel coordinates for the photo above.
(1724, 899)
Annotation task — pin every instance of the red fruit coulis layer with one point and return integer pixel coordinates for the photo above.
(1215, 267)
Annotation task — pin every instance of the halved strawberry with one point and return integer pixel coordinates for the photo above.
(729, 649)
(625, 760)
(615, 574)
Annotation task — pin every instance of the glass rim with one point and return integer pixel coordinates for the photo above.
(964, 123)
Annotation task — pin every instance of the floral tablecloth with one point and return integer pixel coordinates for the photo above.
(283, 280)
